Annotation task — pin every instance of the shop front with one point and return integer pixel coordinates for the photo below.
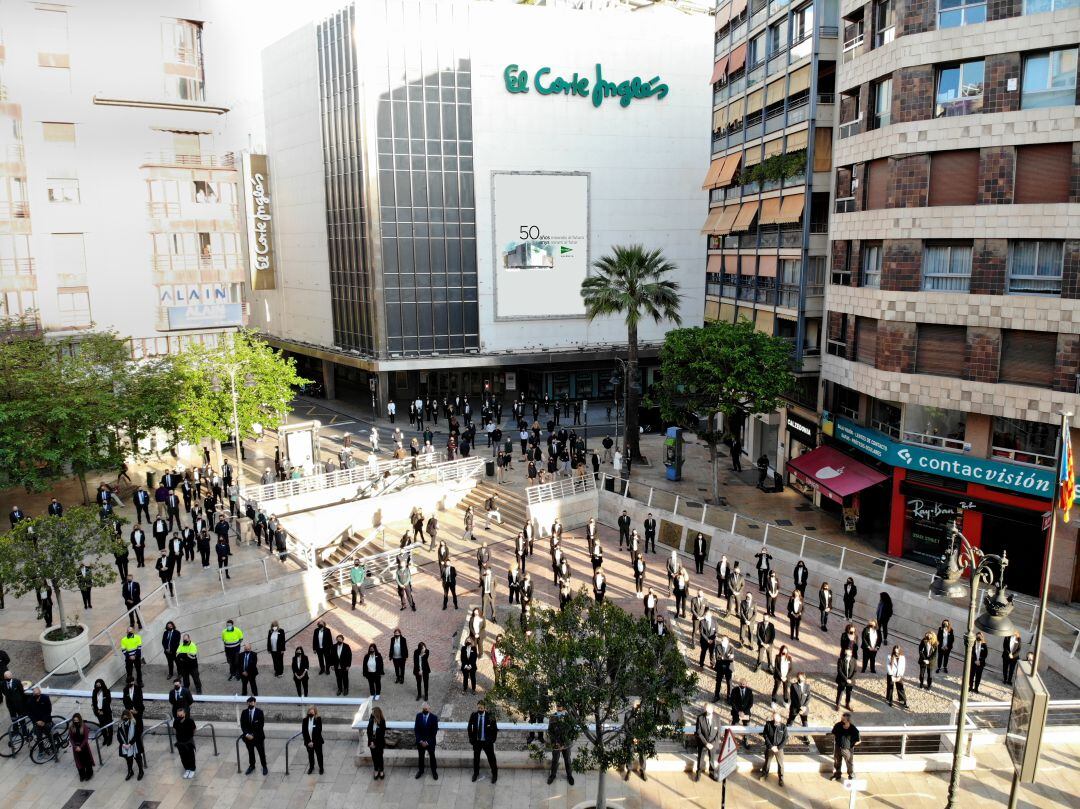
(800, 438)
(838, 478)
(999, 506)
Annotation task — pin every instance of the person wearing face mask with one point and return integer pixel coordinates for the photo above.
(101, 703)
(170, 642)
(232, 637)
(81, 753)
(275, 645)
(131, 647)
(311, 728)
(376, 741)
(252, 724)
(184, 731)
(373, 671)
(399, 653)
(425, 729)
(342, 664)
(300, 672)
(129, 740)
(187, 663)
(482, 731)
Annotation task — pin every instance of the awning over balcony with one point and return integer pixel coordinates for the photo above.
(792, 209)
(836, 474)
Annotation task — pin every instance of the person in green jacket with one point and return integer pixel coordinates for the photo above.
(357, 576)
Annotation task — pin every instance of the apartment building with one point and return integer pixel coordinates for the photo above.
(121, 191)
(774, 110)
(953, 328)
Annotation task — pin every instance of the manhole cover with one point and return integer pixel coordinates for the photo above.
(783, 522)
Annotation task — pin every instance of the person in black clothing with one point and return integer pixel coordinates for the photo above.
(342, 663)
(311, 728)
(800, 577)
(468, 665)
(252, 724)
(850, 591)
(180, 698)
(184, 730)
(845, 678)
(871, 642)
(741, 700)
(884, 615)
(979, 652)
(845, 740)
(138, 544)
(300, 672)
(129, 741)
(764, 565)
(800, 700)
(170, 642)
(624, 528)
(101, 704)
(247, 667)
(483, 730)
(376, 741)
(421, 669)
(650, 531)
(275, 645)
(736, 455)
(775, 735)
(373, 670)
(1010, 657)
(558, 733)
(699, 553)
(945, 640)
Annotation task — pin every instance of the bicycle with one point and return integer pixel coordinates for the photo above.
(19, 733)
(48, 744)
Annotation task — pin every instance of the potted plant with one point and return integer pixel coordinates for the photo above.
(48, 551)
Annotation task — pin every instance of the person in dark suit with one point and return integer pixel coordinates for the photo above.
(160, 529)
(373, 670)
(247, 666)
(448, 577)
(322, 644)
(421, 669)
(342, 663)
(468, 665)
(884, 615)
(170, 642)
(979, 652)
(775, 734)
(301, 672)
(800, 576)
(399, 653)
(133, 697)
(764, 565)
(795, 609)
(650, 537)
(871, 642)
(13, 695)
(800, 700)
(376, 741)
(559, 736)
(101, 704)
(845, 678)
(129, 741)
(252, 723)
(945, 640)
(311, 727)
(699, 553)
(275, 645)
(425, 729)
(483, 730)
(180, 698)
(825, 598)
(141, 499)
(850, 592)
(624, 528)
(164, 568)
(1010, 657)
(707, 731)
(138, 544)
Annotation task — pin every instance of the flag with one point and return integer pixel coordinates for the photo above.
(1067, 474)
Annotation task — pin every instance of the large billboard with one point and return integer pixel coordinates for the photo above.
(541, 243)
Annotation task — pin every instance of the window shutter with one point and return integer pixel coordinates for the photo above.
(1028, 357)
(866, 340)
(877, 184)
(954, 177)
(1042, 172)
(940, 350)
(822, 149)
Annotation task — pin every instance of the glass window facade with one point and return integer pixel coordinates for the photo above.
(421, 297)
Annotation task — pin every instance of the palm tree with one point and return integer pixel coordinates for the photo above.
(631, 282)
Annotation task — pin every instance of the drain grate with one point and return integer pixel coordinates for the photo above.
(783, 522)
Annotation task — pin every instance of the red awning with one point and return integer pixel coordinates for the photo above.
(833, 470)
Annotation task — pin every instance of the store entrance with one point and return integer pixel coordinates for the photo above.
(1024, 539)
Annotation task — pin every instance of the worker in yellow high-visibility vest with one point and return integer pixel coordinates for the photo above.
(232, 636)
(131, 647)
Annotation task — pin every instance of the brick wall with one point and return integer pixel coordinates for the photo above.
(909, 185)
(849, 336)
(1070, 276)
(896, 346)
(901, 266)
(1000, 67)
(997, 169)
(855, 257)
(915, 16)
(983, 353)
(859, 175)
(989, 260)
(913, 94)
(1003, 9)
(1068, 362)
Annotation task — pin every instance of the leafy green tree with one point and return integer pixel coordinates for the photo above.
(265, 381)
(51, 549)
(76, 404)
(632, 282)
(597, 660)
(728, 368)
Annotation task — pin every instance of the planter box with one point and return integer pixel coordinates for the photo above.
(73, 652)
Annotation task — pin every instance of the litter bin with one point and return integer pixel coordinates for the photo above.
(150, 480)
(489, 467)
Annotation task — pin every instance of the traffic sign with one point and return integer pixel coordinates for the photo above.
(729, 757)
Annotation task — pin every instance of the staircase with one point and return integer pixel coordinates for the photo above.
(511, 506)
(342, 550)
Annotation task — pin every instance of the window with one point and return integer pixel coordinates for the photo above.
(756, 52)
(50, 26)
(935, 426)
(959, 89)
(882, 93)
(15, 255)
(1035, 267)
(953, 13)
(884, 22)
(947, 267)
(1049, 79)
(74, 306)
(55, 132)
(939, 350)
(181, 42)
(1025, 441)
(69, 258)
(777, 37)
(18, 304)
(954, 177)
(1028, 357)
(62, 189)
(1040, 6)
(803, 23)
(871, 265)
(866, 340)
(1043, 171)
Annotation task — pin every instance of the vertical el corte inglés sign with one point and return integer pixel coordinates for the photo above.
(260, 222)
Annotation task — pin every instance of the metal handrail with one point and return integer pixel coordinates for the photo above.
(287, 743)
(168, 731)
(113, 646)
(622, 488)
(340, 477)
(97, 734)
(566, 487)
(389, 556)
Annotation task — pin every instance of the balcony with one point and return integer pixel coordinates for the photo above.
(195, 161)
(1021, 457)
(930, 440)
(850, 128)
(162, 210)
(802, 49)
(836, 348)
(14, 210)
(890, 429)
(184, 269)
(845, 204)
(966, 105)
(851, 48)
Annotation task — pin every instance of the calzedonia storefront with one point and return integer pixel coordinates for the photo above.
(999, 507)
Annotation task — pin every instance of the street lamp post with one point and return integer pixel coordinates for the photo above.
(231, 370)
(620, 381)
(990, 570)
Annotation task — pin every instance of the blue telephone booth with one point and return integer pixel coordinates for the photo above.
(673, 453)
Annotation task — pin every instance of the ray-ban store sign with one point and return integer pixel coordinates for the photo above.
(516, 79)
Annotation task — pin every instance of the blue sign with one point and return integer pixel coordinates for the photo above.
(205, 316)
(1035, 481)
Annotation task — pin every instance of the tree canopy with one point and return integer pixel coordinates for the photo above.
(595, 660)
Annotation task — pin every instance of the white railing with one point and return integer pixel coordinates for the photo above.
(352, 476)
(888, 570)
(556, 489)
(379, 534)
(380, 564)
(1021, 456)
(931, 440)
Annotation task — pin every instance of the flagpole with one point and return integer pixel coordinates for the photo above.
(1066, 433)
